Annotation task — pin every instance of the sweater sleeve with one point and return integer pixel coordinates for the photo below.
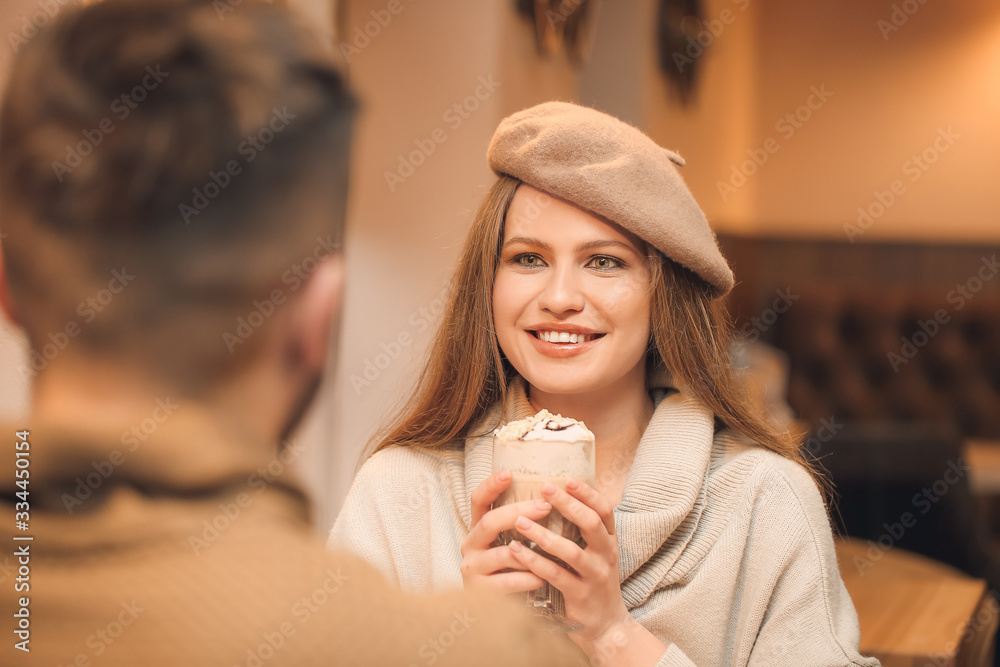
(794, 609)
(401, 517)
(361, 527)
(674, 657)
(810, 620)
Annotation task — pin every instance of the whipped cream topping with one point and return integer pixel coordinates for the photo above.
(545, 426)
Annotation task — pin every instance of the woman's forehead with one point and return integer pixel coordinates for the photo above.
(534, 213)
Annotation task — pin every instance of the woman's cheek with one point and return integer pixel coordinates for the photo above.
(623, 298)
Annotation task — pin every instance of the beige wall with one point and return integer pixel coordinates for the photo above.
(890, 97)
(941, 69)
(714, 131)
(402, 244)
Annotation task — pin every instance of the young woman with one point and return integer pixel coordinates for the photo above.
(590, 286)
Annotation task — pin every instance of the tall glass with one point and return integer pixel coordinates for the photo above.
(533, 463)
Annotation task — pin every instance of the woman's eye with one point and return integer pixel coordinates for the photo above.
(606, 263)
(528, 260)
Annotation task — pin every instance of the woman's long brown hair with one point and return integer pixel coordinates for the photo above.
(466, 373)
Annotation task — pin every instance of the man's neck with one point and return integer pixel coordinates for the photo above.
(104, 395)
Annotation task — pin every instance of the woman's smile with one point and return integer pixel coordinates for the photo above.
(561, 344)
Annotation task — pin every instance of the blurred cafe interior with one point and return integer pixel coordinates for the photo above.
(847, 154)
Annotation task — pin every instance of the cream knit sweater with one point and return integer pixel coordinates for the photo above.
(726, 549)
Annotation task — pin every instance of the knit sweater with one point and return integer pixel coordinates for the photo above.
(192, 547)
(726, 550)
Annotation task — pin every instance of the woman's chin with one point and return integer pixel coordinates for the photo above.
(564, 386)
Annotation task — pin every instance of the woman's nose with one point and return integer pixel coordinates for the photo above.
(562, 292)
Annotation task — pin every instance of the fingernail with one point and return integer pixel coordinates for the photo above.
(542, 505)
(572, 484)
(515, 546)
(504, 475)
(549, 488)
(522, 523)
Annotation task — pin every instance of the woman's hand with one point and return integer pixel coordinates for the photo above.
(482, 562)
(592, 593)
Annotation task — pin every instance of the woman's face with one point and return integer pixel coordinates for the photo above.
(571, 297)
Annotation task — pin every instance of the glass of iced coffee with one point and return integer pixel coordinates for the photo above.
(539, 449)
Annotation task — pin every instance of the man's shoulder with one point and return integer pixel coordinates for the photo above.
(371, 622)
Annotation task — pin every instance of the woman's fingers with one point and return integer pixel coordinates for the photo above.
(511, 582)
(490, 561)
(485, 532)
(544, 568)
(553, 544)
(593, 498)
(593, 526)
(487, 492)
(489, 569)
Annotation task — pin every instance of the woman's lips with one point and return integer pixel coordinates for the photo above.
(562, 350)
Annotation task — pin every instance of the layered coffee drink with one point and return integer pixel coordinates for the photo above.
(544, 448)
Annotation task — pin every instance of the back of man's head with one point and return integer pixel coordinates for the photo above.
(164, 172)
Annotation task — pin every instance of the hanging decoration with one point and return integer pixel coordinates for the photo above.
(562, 24)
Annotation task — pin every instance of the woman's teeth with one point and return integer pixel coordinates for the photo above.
(563, 337)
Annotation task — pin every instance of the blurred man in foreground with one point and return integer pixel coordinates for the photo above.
(172, 187)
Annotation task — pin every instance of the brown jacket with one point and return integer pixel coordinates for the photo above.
(177, 542)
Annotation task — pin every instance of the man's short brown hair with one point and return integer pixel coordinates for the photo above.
(185, 162)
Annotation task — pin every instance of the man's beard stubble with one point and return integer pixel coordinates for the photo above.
(300, 407)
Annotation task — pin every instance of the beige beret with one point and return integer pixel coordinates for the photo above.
(610, 168)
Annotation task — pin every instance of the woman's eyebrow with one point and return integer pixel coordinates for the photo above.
(526, 240)
(604, 243)
(583, 247)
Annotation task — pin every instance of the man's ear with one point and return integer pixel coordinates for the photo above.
(6, 301)
(317, 311)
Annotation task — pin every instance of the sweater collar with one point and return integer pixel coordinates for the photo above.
(665, 488)
(100, 482)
